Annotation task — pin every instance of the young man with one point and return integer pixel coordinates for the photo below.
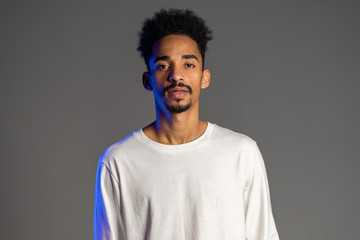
(181, 177)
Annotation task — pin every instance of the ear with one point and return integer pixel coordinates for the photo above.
(146, 81)
(205, 81)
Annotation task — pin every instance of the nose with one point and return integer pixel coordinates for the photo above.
(176, 75)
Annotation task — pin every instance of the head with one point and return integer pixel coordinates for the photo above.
(173, 45)
(173, 22)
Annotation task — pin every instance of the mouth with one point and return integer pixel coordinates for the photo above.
(178, 87)
(178, 92)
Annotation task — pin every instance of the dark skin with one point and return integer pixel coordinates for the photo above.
(176, 61)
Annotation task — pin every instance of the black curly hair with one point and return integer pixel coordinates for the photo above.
(173, 21)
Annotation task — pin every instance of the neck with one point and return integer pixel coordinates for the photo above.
(176, 128)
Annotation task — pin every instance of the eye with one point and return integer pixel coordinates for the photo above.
(161, 67)
(189, 65)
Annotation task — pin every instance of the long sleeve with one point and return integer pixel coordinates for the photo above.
(108, 221)
(259, 220)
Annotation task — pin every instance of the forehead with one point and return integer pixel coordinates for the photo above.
(175, 45)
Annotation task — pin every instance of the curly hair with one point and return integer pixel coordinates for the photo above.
(173, 21)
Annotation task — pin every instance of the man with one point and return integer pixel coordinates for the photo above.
(181, 177)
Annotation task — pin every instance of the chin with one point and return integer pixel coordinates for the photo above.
(177, 108)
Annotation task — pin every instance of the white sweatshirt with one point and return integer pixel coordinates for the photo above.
(214, 187)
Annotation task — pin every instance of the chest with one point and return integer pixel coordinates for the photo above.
(168, 178)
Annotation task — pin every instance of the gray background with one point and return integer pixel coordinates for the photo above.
(285, 73)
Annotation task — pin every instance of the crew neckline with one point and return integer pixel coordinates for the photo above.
(140, 135)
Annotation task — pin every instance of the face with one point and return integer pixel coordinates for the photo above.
(175, 74)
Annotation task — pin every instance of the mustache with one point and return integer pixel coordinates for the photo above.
(174, 85)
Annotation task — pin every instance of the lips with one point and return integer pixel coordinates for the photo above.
(178, 92)
(178, 89)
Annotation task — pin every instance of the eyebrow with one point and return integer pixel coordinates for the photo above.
(183, 57)
(189, 57)
(161, 58)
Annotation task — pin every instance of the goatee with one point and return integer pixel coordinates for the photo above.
(178, 108)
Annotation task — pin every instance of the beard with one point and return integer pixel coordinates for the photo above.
(178, 108)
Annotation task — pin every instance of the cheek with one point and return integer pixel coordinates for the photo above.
(155, 82)
(158, 91)
(197, 81)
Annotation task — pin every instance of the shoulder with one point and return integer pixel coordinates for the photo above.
(119, 150)
(229, 137)
(239, 145)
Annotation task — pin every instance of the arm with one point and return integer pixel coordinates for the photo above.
(108, 220)
(259, 220)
